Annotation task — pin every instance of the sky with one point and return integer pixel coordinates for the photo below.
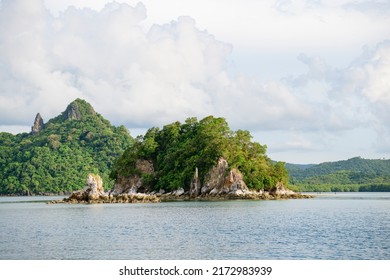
(308, 78)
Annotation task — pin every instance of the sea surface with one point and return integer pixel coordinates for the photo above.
(331, 226)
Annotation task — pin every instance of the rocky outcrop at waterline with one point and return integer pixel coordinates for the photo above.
(94, 193)
(220, 180)
(220, 183)
(223, 183)
(281, 193)
(134, 184)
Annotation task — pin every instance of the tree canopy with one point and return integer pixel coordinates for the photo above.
(354, 174)
(58, 158)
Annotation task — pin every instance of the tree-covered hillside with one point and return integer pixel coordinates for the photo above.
(355, 174)
(177, 149)
(57, 156)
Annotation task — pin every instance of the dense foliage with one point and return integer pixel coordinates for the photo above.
(355, 174)
(177, 149)
(59, 157)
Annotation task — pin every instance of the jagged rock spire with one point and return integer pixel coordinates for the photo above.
(195, 184)
(38, 125)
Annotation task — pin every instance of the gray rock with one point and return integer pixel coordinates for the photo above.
(94, 193)
(178, 192)
(221, 181)
(280, 189)
(93, 190)
(134, 184)
(195, 184)
(38, 125)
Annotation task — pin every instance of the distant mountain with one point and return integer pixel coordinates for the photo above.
(297, 168)
(55, 157)
(355, 174)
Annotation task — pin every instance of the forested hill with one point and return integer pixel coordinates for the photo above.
(355, 174)
(176, 150)
(55, 157)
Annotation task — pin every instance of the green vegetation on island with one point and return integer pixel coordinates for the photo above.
(57, 156)
(355, 174)
(178, 149)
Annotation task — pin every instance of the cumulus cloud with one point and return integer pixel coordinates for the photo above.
(369, 77)
(355, 96)
(144, 76)
(381, 8)
(131, 75)
(26, 69)
(366, 83)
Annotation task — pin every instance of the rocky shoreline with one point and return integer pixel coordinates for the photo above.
(153, 198)
(247, 196)
(94, 193)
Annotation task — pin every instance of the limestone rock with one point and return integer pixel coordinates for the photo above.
(215, 178)
(195, 184)
(38, 125)
(77, 109)
(94, 193)
(93, 190)
(222, 181)
(178, 192)
(134, 198)
(94, 187)
(134, 184)
(127, 185)
(281, 190)
(235, 183)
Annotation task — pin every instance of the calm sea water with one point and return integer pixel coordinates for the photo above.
(331, 226)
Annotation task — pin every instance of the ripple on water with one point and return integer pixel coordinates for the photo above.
(350, 226)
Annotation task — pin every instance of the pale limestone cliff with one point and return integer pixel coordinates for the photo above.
(94, 193)
(280, 190)
(195, 185)
(93, 190)
(134, 184)
(77, 109)
(221, 180)
(38, 124)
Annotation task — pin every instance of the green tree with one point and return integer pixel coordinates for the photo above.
(59, 157)
(177, 149)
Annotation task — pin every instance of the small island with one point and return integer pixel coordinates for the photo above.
(197, 160)
(225, 189)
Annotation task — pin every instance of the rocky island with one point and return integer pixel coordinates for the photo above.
(200, 160)
(220, 184)
(192, 160)
(197, 160)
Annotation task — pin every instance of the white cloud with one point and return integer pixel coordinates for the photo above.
(357, 95)
(142, 67)
(366, 83)
(376, 8)
(27, 73)
(138, 77)
(373, 83)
